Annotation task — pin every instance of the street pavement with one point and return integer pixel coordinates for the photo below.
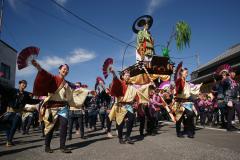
(208, 144)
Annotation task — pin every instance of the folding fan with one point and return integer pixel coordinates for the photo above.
(177, 71)
(26, 56)
(165, 85)
(106, 66)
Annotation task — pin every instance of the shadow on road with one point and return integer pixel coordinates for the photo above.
(137, 138)
(95, 134)
(18, 150)
(85, 143)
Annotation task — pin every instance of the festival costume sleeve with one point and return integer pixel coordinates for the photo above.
(30, 100)
(177, 107)
(45, 83)
(152, 104)
(123, 93)
(129, 95)
(31, 107)
(79, 97)
(118, 88)
(180, 83)
(49, 85)
(195, 90)
(200, 103)
(143, 94)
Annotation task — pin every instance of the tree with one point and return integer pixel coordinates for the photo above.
(182, 34)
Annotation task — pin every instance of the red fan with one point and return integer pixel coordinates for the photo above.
(223, 68)
(106, 66)
(26, 56)
(177, 71)
(1, 74)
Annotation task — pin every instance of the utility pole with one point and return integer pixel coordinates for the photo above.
(197, 59)
(1, 17)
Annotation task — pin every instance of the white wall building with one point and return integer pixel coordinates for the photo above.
(8, 57)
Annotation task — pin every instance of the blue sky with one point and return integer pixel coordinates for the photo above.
(64, 39)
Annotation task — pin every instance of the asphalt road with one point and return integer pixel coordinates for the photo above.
(208, 144)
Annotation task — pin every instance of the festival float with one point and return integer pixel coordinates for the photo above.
(152, 66)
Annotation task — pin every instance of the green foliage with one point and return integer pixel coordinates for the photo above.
(183, 35)
(165, 52)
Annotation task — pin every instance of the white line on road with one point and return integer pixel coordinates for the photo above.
(210, 128)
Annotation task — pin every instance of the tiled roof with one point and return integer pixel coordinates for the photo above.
(231, 51)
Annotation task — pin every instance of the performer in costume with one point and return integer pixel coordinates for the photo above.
(55, 107)
(28, 117)
(102, 100)
(76, 115)
(123, 105)
(92, 113)
(220, 99)
(157, 105)
(40, 115)
(108, 121)
(126, 95)
(231, 92)
(222, 88)
(184, 106)
(141, 110)
(15, 109)
(150, 112)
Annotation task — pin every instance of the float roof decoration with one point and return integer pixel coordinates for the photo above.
(140, 21)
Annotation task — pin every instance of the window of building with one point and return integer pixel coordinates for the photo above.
(6, 71)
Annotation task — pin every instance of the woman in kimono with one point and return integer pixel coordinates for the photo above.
(125, 95)
(55, 106)
(184, 107)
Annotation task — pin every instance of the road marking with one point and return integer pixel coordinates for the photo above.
(210, 128)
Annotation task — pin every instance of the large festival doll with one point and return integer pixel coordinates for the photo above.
(184, 106)
(55, 107)
(145, 43)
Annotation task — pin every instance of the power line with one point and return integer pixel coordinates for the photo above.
(42, 11)
(90, 24)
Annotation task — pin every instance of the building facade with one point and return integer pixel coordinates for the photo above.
(8, 57)
(206, 73)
